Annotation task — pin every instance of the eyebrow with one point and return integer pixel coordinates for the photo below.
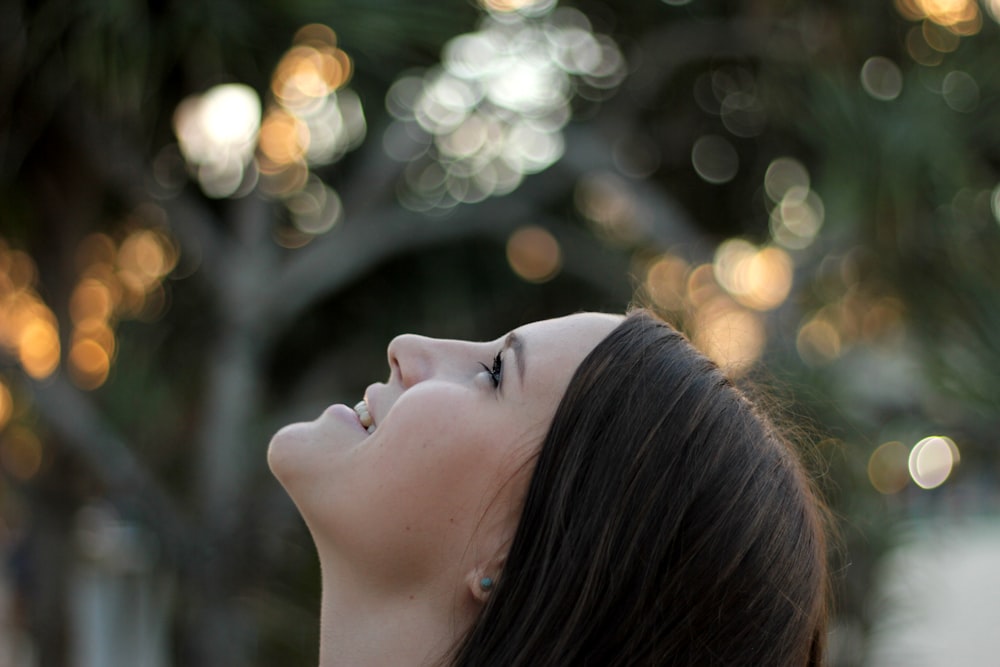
(516, 343)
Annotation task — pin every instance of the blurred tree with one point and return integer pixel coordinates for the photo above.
(820, 178)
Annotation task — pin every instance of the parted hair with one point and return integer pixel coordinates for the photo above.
(667, 522)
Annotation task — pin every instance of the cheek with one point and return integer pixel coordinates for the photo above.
(435, 470)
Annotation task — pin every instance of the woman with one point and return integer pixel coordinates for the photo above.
(588, 490)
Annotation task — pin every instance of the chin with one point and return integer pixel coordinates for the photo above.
(285, 451)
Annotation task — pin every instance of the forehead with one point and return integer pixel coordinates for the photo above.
(579, 324)
(565, 340)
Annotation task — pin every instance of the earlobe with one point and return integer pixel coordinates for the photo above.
(480, 585)
(482, 581)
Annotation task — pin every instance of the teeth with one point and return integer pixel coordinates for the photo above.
(364, 416)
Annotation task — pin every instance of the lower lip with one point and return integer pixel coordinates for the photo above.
(345, 414)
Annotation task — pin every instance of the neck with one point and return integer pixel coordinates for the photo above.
(406, 628)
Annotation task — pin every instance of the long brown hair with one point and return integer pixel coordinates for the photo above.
(667, 522)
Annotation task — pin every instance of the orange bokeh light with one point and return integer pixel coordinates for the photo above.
(284, 138)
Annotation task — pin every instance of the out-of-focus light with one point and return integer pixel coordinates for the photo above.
(818, 342)
(677, 3)
(28, 329)
(38, 348)
(284, 138)
(995, 201)
(230, 115)
(97, 331)
(993, 6)
(91, 298)
(932, 461)
(920, 50)
(783, 174)
(938, 38)
(283, 180)
(888, 469)
(337, 126)
(6, 405)
(493, 112)
(881, 78)
(701, 285)
(534, 254)
(505, 6)
(604, 199)
(797, 219)
(315, 34)
(88, 364)
(743, 114)
(216, 132)
(960, 91)
(728, 334)
(146, 255)
(666, 281)
(305, 75)
(316, 208)
(960, 16)
(21, 453)
(758, 278)
(715, 159)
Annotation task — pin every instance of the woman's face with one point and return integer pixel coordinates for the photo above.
(440, 480)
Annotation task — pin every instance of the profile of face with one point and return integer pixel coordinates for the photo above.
(433, 488)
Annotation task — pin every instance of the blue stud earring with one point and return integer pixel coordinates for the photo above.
(485, 583)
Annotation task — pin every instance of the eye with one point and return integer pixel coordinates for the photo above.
(496, 373)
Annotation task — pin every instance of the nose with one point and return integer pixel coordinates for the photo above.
(415, 359)
(411, 358)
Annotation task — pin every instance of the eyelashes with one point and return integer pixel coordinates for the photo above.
(496, 373)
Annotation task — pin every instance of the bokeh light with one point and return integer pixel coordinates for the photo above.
(314, 120)
(316, 208)
(6, 405)
(38, 348)
(888, 467)
(881, 78)
(29, 330)
(524, 6)
(783, 174)
(117, 280)
(818, 342)
(962, 17)
(960, 91)
(534, 254)
(730, 335)
(20, 453)
(604, 199)
(89, 363)
(920, 50)
(797, 218)
(217, 131)
(932, 461)
(715, 159)
(759, 278)
(493, 112)
(666, 282)
(730, 92)
(284, 138)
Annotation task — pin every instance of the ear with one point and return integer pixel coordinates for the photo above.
(482, 580)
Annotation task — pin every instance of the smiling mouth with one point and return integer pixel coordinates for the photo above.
(365, 416)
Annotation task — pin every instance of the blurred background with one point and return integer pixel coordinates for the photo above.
(214, 217)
